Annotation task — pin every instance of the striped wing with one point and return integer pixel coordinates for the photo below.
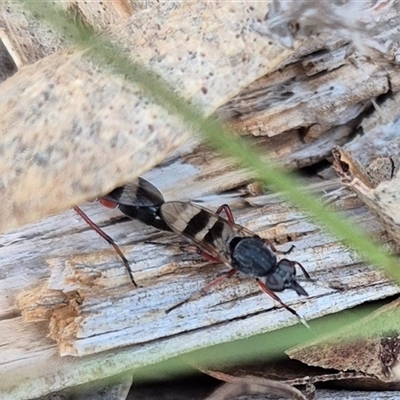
(202, 227)
(138, 193)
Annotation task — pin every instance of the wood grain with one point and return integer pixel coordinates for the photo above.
(129, 327)
(66, 276)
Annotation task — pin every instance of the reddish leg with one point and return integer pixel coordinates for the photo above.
(306, 274)
(269, 244)
(205, 289)
(210, 258)
(272, 294)
(230, 218)
(194, 249)
(109, 239)
(228, 212)
(207, 256)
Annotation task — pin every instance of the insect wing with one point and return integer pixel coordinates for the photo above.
(138, 193)
(200, 226)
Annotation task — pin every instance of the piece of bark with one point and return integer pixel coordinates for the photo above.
(375, 151)
(339, 97)
(60, 238)
(71, 273)
(166, 279)
(308, 378)
(111, 133)
(371, 25)
(381, 199)
(369, 346)
(349, 87)
(169, 281)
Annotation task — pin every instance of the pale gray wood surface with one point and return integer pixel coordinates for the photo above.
(114, 327)
(113, 314)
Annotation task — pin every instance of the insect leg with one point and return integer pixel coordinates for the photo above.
(207, 256)
(230, 218)
(285, 252)
(270, 293)
(306, 274)
(204, 290)
(228, 212)
(273, 248)
(109, 239)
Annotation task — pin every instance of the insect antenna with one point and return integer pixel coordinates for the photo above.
(109, 239)
(204, 290)
(272, 294)
(286, 251)
(306, 274)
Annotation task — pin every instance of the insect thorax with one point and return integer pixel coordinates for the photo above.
(252, 256)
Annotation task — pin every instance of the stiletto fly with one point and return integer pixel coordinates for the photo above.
(216, 239)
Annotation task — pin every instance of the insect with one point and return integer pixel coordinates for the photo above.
(138, 199)
(223, 241)
(216, 239)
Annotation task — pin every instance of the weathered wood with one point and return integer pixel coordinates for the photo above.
(197, 389)
(86, 292)
(112, 314)
(334, 395)
(379, 188)
(111, 132)
(272, 105)
(373, 356)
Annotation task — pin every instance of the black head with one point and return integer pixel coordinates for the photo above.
(284, 277)
(252, 256)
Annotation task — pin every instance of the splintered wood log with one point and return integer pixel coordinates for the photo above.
(69, 313)
(129, 327)
(106, 312)
(378, 185)
(373, 355)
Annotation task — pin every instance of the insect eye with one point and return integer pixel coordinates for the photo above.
(275, 282)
